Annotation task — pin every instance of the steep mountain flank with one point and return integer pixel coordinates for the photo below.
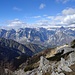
(13, 53)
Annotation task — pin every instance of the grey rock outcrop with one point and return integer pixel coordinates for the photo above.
(56, 73)
(43, 62)
(55, 67)
(43, 67)
(20, 72)
(64, 49)
(72, 57)
(63, 66)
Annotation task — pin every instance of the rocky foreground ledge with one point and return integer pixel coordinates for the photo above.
(55, 67)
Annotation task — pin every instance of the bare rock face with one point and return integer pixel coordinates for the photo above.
(20, 72)
(43, 61)
(56, 73)
(72, 57)
(44, 64)
(43, 67)
(53, 73)
(63, 66)
(64, 49)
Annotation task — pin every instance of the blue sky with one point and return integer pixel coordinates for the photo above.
(36, 11)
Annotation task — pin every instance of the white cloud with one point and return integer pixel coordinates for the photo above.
(65, 18)
(59, 18)
(63, 1)
(41, 23)
(16, 23)
(42, 6)
(36, 17)
(33, 17)
(69, 19)
(45, 15)
(68, 11)
(17, 9)
(50, 17)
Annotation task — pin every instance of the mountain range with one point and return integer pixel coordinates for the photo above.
(43, 36)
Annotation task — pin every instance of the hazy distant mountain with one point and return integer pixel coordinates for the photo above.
(43, 36)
